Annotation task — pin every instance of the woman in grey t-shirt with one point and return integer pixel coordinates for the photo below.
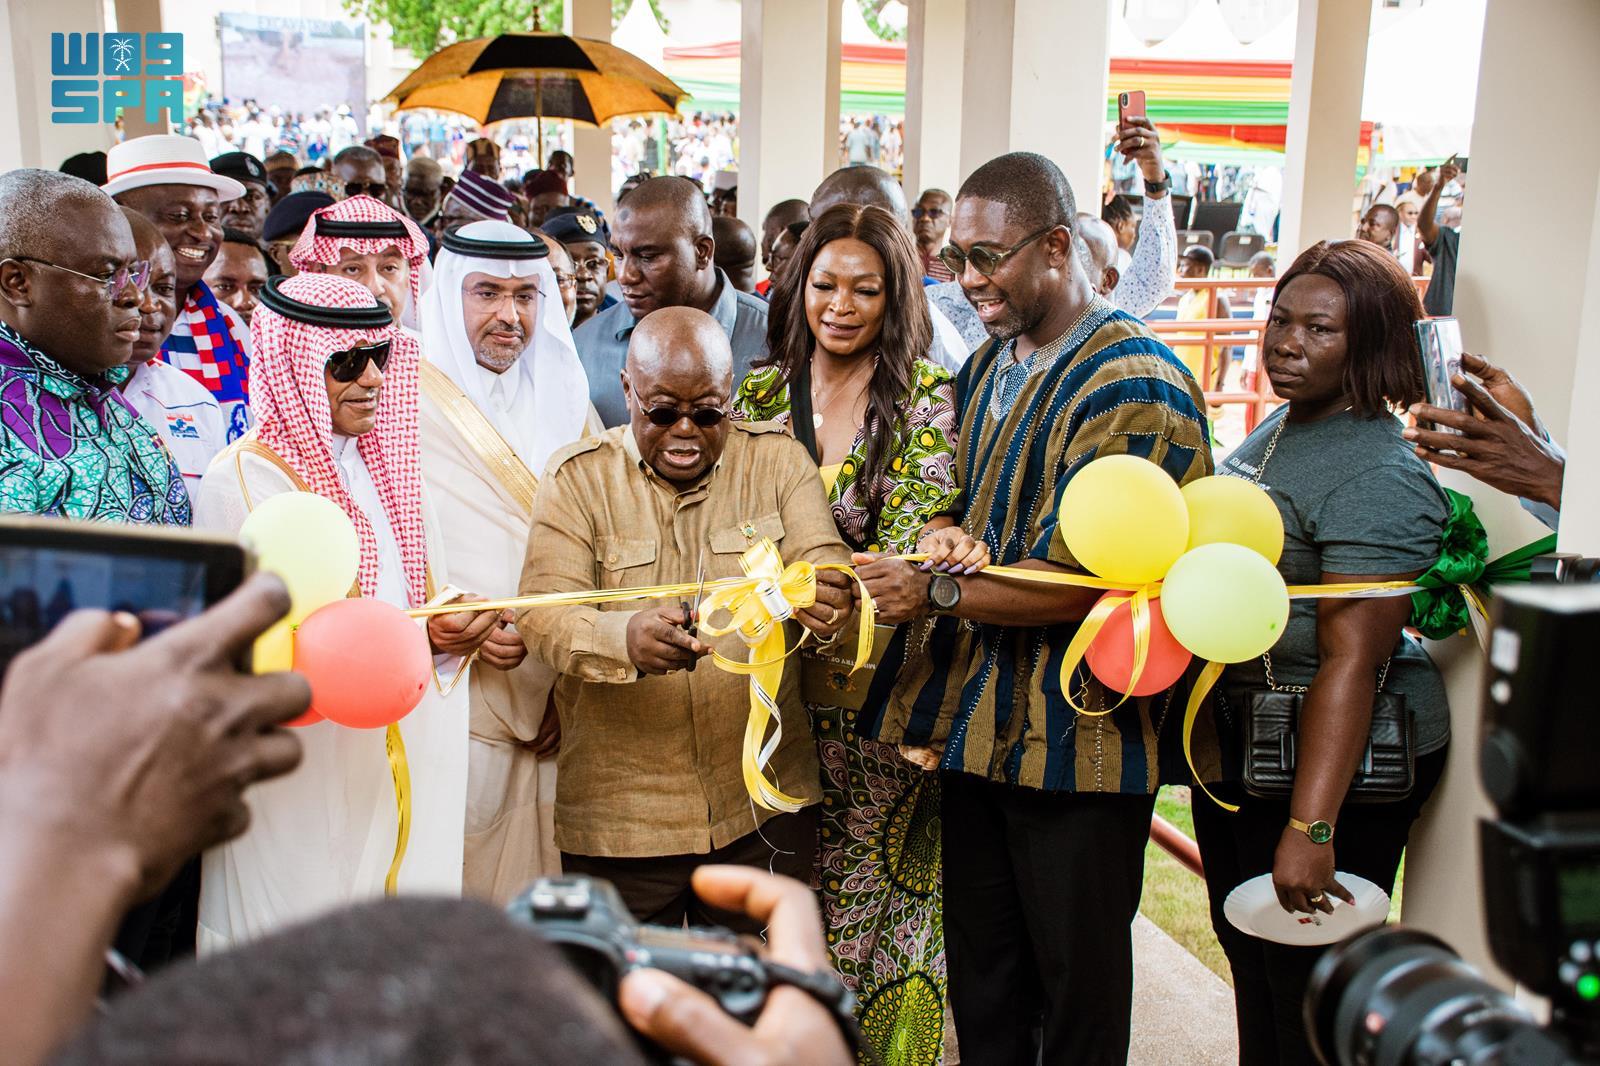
(1357, 505)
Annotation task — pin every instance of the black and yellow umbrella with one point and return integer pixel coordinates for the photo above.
(537, 75)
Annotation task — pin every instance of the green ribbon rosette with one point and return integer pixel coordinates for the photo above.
(1441, 608)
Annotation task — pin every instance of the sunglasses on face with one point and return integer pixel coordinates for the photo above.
(704, 417)
(350, 364)
(374, 189)
(934, 213)
(986, 262)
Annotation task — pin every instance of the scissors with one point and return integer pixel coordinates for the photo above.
(692, 627)
(692, 613)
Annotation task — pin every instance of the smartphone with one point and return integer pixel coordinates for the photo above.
(1439, 341)
(49, 567)
(1130, 105)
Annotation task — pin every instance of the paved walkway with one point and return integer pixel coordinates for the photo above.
(1182, 1012)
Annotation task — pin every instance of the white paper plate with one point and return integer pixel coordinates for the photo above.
(1253, 908)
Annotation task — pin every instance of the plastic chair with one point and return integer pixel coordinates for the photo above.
(1188, 238)
(1238, 248)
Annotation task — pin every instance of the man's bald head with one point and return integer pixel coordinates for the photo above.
(675, 199)
(867, 186)
(681, 337)
(679, 362)
(1099, 242)
(736, 251)
(784, 214)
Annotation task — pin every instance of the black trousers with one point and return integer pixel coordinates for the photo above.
(1040, 889)
(1269, 980)
(656, 888)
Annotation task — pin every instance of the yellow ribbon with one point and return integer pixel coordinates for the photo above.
(756, 609)
(396, 747)
(757, 604)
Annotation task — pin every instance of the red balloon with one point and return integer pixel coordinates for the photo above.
(368, 663)
(311, 717)
(1110, 656)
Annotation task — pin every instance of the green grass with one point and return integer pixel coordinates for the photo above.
(1175, 899)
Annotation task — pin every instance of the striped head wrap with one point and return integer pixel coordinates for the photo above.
(488, 198)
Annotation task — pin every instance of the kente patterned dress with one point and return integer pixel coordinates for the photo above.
(74, 448)
(878, 859)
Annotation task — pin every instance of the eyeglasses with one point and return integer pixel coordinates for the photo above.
(985, 261)
(374, 189)
(492, 299)
(593, 267)
(136, 273)
(704, 417)
(350, 364)
(566, 281)
(934, 213)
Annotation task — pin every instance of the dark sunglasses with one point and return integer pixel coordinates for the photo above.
(350, 364)
(374, 189)
(704, 417)
(985, 261)
(927, 212)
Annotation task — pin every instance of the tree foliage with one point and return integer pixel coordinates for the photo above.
(425, 26)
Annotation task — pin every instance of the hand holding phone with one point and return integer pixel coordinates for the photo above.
(1130, 107)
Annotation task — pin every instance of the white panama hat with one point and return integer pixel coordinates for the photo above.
(164, 159)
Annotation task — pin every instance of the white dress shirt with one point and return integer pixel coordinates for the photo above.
(183, 414)
(1148, 274)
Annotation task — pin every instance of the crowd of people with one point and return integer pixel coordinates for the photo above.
(507, 391)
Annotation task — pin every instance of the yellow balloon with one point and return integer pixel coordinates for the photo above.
(308, 541)
(1231, 510)
(274, 650)
(1124, 519)
(1225, 602)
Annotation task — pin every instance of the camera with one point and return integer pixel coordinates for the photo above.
(1398, 997)
(587, 919)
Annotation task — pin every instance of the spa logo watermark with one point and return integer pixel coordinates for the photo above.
(95, 75)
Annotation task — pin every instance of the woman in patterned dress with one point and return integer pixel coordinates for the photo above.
(847, 332)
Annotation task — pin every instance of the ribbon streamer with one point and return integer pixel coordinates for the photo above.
(396, 747)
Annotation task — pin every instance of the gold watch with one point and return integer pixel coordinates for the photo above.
(1319, 831)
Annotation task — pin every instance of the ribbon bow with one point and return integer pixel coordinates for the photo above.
(756, 609)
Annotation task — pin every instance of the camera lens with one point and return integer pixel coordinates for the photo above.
(1397, 997)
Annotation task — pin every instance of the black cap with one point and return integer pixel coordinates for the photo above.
(272, 295)
(289, 215)
(574, 225)
(532, 248)
(90, 166)
(240, 166)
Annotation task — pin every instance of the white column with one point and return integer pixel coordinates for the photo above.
(788, 130)
(591, 148)
(833, 158)
(1035, 80)
(142, 16)
(935, 36)
(28, 138)
(1542, 322)
(1330, 64)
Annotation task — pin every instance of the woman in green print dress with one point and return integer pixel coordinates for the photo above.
(847, 331)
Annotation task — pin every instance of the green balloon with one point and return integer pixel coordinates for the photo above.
(1225, 602)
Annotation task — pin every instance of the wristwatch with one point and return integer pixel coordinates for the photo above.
(1319, 831)
(944, 592)
(1156, 188)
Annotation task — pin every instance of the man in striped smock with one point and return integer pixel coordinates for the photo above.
(1045, 812)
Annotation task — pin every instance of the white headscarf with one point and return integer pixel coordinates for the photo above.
(548, 364)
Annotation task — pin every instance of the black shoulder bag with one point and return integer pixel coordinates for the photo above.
(1270, 724)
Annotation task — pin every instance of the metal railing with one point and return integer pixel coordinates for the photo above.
(1219, 336)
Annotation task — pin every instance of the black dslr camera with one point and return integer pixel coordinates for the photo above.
(1396, 997)
(586, 918)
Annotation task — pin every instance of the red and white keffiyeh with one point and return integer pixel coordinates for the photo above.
(289, 395)
(324, 250)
